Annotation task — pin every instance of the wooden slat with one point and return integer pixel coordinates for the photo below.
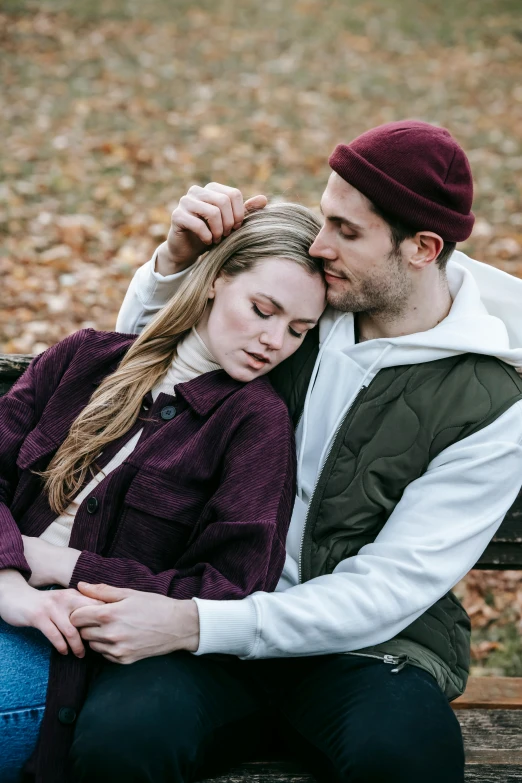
(488, 731)
(501, 557)
(13, 365)
(511, 758)
(265, 772)
(482, 768)
(493, 693)
(483, 773)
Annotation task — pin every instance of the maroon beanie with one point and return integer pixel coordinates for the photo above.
(415, 172)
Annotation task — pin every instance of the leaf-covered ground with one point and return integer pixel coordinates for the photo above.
(110, 110)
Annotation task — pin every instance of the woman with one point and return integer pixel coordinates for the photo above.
(163, 462)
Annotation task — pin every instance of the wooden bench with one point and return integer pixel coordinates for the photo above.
(490, 712)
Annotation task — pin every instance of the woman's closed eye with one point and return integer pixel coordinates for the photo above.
(261, 314)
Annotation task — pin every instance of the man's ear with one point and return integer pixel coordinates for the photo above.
(426, 248)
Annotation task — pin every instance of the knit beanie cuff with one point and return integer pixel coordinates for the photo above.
(396, 199)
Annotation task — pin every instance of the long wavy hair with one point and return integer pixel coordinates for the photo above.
(283, 231)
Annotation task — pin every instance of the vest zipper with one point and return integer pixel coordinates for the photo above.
(397, 661)
(332, 442)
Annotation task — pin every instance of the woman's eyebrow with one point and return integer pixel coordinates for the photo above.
(281, 309)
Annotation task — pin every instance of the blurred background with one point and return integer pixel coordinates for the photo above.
(111, 109)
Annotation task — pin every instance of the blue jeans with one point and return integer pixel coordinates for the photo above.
(24, 673)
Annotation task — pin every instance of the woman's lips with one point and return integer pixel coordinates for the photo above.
(256, 360)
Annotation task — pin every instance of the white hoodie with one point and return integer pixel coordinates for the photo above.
(444, 520)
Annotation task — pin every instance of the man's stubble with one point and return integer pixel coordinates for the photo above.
(386, 295)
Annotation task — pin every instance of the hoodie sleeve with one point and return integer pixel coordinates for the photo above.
(434, 536)
(147, 293)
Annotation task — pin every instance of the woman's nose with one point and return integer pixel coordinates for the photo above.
(273, 338)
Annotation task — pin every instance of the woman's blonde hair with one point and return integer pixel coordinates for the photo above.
(283, 231)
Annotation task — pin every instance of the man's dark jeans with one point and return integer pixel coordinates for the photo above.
(181, 717)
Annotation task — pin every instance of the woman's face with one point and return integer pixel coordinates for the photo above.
(258, 318)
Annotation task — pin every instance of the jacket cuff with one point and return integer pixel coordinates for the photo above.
(228, 627)
(90, 568)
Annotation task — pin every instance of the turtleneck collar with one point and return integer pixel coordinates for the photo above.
(192, 359)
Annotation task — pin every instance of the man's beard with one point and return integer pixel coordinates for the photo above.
(386, 296)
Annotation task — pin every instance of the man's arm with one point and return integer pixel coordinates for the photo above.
(435, 535)
(148, 292)
(202, 218)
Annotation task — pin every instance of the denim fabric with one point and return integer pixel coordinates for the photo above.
(24, 672)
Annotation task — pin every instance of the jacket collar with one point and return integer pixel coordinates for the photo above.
(202, 394)
(207, 391)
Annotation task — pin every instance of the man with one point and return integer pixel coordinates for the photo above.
(409, 437)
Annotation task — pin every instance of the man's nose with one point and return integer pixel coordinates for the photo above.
(321, 247)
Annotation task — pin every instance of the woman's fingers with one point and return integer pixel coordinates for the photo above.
(70, 633)
(51, 632)
(105, 593)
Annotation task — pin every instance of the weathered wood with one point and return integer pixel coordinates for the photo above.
(480, 768)
(479, 773)
(488, 731)
(482, 773)
(265, 772)
(12, 365)
(497, 693)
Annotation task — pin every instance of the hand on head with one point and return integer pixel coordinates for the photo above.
(202, 218)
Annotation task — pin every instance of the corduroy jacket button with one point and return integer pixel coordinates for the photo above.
(92, 505)
(168, 412)
(66, 715)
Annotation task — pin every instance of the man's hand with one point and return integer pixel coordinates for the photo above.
(202, 218)
(49, 564)
(133, 625)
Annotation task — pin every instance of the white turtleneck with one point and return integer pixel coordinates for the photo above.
(192, 359)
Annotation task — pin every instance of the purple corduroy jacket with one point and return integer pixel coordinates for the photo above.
(200, 508)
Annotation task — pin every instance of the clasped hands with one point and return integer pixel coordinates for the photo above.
(121, 624)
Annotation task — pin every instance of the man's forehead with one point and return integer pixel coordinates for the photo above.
(340, 199)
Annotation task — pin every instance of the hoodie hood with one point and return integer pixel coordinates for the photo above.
(485, 318)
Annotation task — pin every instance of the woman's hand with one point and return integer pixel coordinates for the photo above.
(49, 564)
(202, 218)
(48, 611)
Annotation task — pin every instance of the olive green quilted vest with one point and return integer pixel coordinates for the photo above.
(399, 423)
